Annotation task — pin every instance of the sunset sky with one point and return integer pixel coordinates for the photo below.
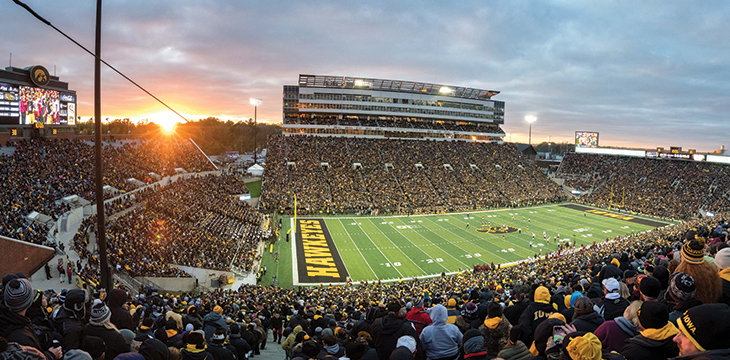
(643, 74)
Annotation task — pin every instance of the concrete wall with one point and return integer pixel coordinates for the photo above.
(74, 218)
(169, 283)
(204, 275)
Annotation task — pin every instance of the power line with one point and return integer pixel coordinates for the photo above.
(32, 12)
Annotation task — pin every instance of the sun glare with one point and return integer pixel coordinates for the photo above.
(166, 120)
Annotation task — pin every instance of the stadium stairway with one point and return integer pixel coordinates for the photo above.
(273, 350)
(39, 280)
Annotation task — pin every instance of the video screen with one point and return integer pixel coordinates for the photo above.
(39, 106)
(586, 139)
(9, 104)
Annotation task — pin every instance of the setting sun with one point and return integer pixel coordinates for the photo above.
(165, 119)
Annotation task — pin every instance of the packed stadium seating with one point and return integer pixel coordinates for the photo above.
(507, 309)
(663, 188)
(399, 176)
(658, 294)
(193, 222)
(40, 172)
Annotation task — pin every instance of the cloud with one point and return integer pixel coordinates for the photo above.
(643, 74)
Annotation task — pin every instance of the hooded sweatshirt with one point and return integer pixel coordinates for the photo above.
(441, 340)
(211, 322)
(120, 317)
(614, 332)
(289, 343)
(536, 313)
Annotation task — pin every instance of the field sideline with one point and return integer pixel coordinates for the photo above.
(390, 248)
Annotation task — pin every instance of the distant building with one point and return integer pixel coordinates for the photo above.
(378, 108)
(527, 150)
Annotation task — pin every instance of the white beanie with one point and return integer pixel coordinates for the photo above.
(722, 259)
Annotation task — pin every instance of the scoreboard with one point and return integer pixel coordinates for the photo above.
(29, 105)
(584, 139)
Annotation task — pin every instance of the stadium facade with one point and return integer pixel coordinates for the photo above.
(323, 105)
(34, 103)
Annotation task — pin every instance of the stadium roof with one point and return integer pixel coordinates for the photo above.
(347, 82)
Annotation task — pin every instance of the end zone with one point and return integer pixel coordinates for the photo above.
(625, 217)
(315, 256)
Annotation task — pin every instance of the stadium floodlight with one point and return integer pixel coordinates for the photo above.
(361, 82)
(255, 103)
(446, 90)
(530, 119)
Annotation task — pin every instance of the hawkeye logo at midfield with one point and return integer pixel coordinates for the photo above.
(318, 260)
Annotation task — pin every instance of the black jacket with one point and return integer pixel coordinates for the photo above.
(114, 341)
(611, 309)
(725, 296)
(251, 339)
(241, 345)
(587, 322)
(641, 348)
(276, 322)
(17, 328)
(120, 317)
(70, 328)
(222, 352)
(196, 320)
(534, 314)
(721, 354)
(196, 354)
(388, 330)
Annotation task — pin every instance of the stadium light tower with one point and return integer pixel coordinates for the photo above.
(255, 103)
(530, 119)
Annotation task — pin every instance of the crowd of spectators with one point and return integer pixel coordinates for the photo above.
(660, 294)
(193, 222)
(658, 187)
(338, 175)
(401, 123)
(38, 173)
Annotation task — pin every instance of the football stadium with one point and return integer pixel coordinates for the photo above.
(377, 219)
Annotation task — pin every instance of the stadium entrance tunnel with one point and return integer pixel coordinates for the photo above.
(497, 229)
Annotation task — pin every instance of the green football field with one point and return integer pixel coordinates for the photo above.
(403, 247)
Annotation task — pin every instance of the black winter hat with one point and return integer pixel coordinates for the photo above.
(235, 329)
(707, 326)
(76, 299)
(93, 345)
(543, 331)
(393, 306)
(494, 309)
(18, 294)
(310, 348)
(653, 315)
(693, 252)
(650, 287)
(662, 274)
(196, 338)
(682, 286)
(154, 349)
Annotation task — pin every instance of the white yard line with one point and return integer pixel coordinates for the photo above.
(356, 247)
(419, 234)
(376, 246)
(401, 250)
(467, 240)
